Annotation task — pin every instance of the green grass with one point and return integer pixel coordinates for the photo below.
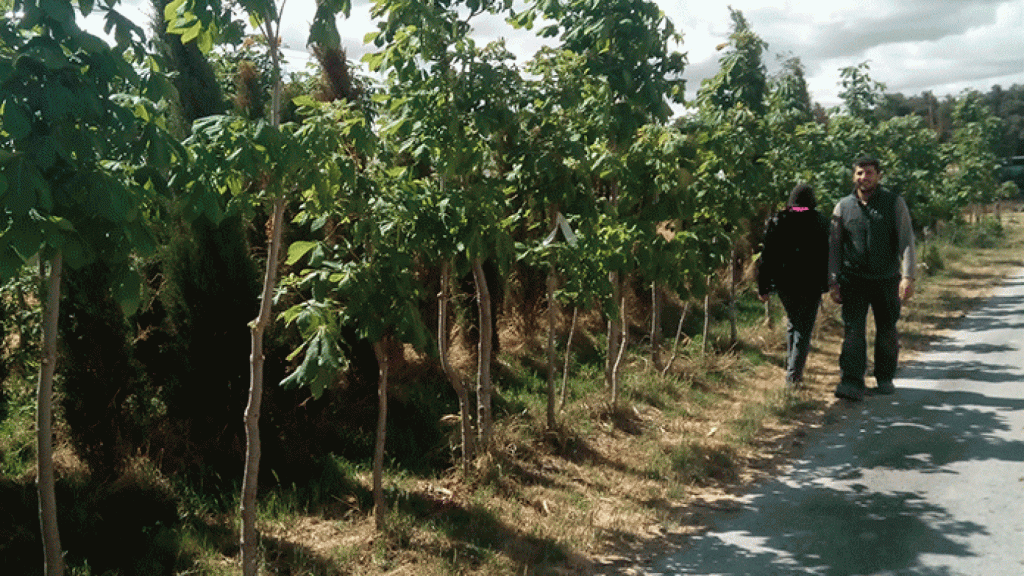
(698, 463)
(661, 392)
(781, 404)
(751, 420)
(17, 429)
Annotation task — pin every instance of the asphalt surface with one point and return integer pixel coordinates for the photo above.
(928, 481)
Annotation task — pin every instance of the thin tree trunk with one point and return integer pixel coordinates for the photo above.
(706, 334)
(733, 331)
(250, 477)
(926, 233)
(249, 547)
(465, 422)
(483, 396)
(622, 349)
(552, 309)
(53, 561)
(379, 507)
(656, 305)
(675, 342)
(551, 348)
(614, 330)
(568, 350)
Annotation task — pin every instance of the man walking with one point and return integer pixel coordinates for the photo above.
(871, 264)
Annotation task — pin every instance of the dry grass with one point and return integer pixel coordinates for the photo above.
(611, 489)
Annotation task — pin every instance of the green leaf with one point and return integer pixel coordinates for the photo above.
(141, 236)
(299, 249)
(548, 31)
(61, 103)
(62, 224)
(324, 29)
(85, 6)
(23, 186)
(127, 290)
(191, 33)
(305, 100)
(59, 10)
(16, 122)
(92, 44)
(173, 10)
(6, 70)
(46, 52)
(289, 316)
(159, 87)
(320, 367)
(43, 153)
(10, 265)
(24, 238)
(76, 253)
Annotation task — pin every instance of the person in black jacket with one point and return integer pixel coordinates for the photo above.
(794, 264)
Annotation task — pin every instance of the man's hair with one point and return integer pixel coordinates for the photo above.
(868, 161)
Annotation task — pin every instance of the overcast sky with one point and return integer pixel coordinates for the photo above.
(911, 46)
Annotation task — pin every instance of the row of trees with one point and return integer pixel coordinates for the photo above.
(458, 162)
(1006, 104)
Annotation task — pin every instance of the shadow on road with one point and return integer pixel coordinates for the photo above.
(862, 498)
(824, 518)
(818, 530)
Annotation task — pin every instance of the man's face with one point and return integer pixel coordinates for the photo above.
(865, 178)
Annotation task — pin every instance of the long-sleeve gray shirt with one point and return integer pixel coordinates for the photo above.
(872, 240)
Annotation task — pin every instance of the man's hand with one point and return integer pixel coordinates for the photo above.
(906, 289)
(837, 296)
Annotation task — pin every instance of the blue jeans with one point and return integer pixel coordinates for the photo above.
(801, 311)
(882, 296)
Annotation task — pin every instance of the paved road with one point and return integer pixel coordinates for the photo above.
(928, 482)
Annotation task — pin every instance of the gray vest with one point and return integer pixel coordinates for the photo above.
(870, 237)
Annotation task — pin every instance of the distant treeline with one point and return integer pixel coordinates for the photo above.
(1006, 104)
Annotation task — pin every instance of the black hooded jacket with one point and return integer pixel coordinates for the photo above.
(795, 254)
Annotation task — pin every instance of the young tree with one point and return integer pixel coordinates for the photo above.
(449, 103)
(79, 164)
(860, 94)
(790, 124)
(548, 153)
(627, 45)
(366, 280)
(731, 130)
(971, 153)
(258, 162)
